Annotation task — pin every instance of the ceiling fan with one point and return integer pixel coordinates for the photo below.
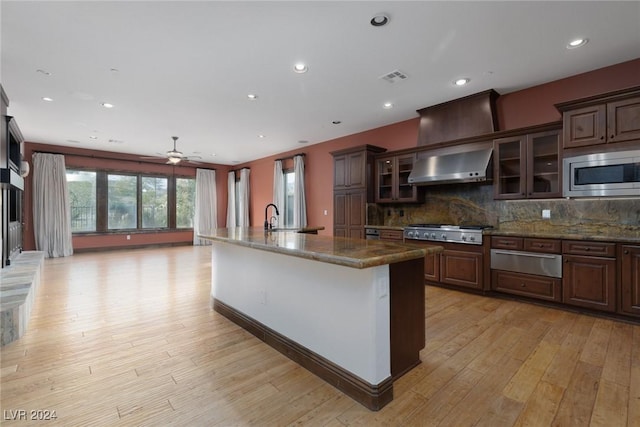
(174, 156)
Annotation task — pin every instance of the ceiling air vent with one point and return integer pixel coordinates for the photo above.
(394, 76)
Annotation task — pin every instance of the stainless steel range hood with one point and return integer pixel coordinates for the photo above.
(441, 167)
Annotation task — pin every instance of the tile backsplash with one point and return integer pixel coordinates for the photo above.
(474, 204)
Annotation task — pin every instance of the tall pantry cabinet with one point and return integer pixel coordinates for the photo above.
(352, 189)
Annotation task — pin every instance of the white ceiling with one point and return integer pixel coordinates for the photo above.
(185, 68)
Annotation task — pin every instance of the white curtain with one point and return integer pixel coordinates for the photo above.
(231, 199)
(278, 186)
(243, 198)
(299, 198)
(206, 217)
(51, 207)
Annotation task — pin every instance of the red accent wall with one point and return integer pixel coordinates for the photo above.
(83, 158)
(535, 105)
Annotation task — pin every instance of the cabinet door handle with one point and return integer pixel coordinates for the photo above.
(601, 137)
(525, 254)
(626, 252)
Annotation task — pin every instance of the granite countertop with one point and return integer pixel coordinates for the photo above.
(608, 234)
(612, 233)
(355, 253)
(386, 227)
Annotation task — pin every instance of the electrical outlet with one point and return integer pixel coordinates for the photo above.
(325, 212)
(128, 236)
(546, 213)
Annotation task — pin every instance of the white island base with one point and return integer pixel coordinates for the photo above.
(357, 328)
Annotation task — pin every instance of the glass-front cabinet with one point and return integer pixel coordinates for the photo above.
(528, 166)
(392, 179)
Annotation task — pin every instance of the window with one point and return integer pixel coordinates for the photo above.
(103, 202)
(185, 202)
(82, 198)
(289, 184)
(123, 201)
(154, 202)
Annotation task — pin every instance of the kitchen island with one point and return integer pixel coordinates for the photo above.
(349, 310)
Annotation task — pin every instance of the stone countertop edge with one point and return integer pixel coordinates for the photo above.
(623, 236)
(387, 227)
(633, 237)
(354, 253)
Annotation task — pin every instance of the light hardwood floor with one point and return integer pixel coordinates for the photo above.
(128, 338)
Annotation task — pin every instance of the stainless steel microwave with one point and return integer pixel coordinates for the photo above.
(603, 174)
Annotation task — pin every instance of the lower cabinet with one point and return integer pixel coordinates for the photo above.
(462, 268)
(589, 281)
(538, 257)
(630, 280)
(528, 285)
(349, 213)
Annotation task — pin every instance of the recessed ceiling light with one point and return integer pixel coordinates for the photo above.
(461, 82)
(303, 141)
(336, 122)
(93, 137)
(261, 136)
(46, 98)
(387, 105)
(577, 43)
(252, 96)
(379, 20)
(41, 71)
(107, 105)
(300, 68)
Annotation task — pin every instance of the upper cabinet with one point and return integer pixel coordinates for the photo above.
(392, 179)
(528, 166)
(601, 120)
(352, 168)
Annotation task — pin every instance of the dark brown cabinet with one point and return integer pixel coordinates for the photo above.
(630, 280)
(589, 275)
(601, 120)
(352, 189)
(462, 268)
(523, 284)
(350, 170)
(349, 213)
(528, 166)
(392, 179)
(391, 235)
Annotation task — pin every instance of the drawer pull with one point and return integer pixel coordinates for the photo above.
(522, 285)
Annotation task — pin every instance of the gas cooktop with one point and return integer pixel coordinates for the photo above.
(467, 234)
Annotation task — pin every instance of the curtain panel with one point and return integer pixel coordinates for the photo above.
(278, 189)
(51, 207)
(206, 216)
(243, 196)
(231, 199)
(299, 197)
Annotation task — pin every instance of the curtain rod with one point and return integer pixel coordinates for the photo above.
(291, 157)
(235, 170)
(93, 156)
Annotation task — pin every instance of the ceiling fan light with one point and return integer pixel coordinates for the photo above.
(174, 160)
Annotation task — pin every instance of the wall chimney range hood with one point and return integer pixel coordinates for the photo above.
(452, 167)
(466, 163)
(469, 117)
